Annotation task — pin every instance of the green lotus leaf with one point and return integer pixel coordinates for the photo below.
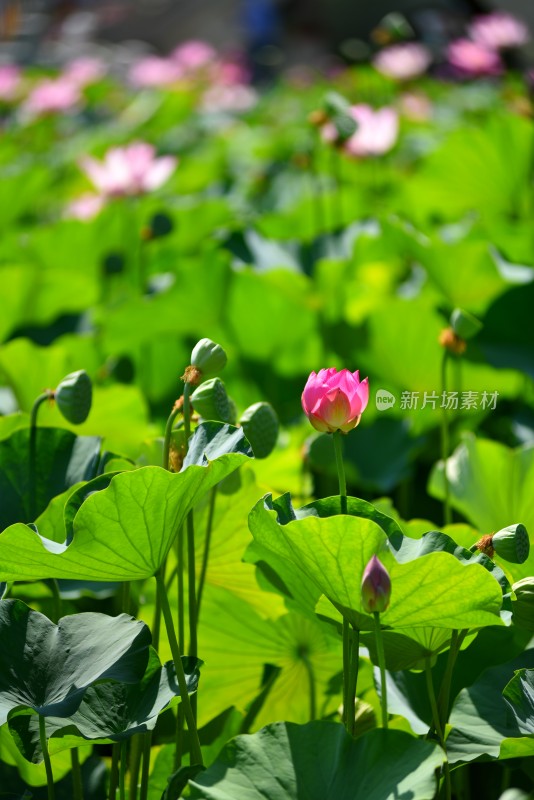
(434, 591)
(109, 711)
(320, 761)
(490, 484)
(47, 668)
(62, 460)
(120, 533)
(481, 718)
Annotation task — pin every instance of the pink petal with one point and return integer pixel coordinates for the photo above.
(159, 172)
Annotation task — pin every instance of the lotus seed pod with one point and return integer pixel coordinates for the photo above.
(74, 396)
(211, 401)
(208, 357)
(512, 543)
(260, 424)
(523, 605)
(464, 324)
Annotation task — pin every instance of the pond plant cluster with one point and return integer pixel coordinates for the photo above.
(266, 432)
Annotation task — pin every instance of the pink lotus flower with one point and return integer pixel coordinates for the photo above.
(473, 59)
(85, 207)
(376, 587)
(403, 61)
(130, 170)
(334, 401)
(499, 31)
(229, 98)
(377, 131)
(84, 71)
(9, 81)
(53, 97)
(194, 54)
(155, 71)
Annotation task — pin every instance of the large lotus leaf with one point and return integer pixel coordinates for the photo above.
(519, 694)
(238, 645)
(109, 712)
(48, 668)
(62, 459)
(276, 571)
(411, 362)
(120, 533)
(320, 761)
(481, 718)
(277, 295)
(490, 484)
(495, 186)
(507, 345)
(434, 591)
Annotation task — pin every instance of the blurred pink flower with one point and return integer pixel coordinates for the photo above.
(130, 170)
(194, 54)
(85, 207)
(10, 77)
(415, 106)
(472, 58)
(53, 96)
(232, 72)
(377, 131)
(84, 71)
(403, 61)
(229, 98)
(155, 71)
(499, 31)
(335, 400)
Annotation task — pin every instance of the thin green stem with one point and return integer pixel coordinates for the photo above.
(337, 196)
(125, 598)
(311, 685)
(145, 772)
(353, 678)
(122, 771)
(346, 671)
(445, 689)
(195, 751)
(136, 752)
(181, 587)
(179, 737)
(56, 599)
(437, 724)
(114, 771)
(46, 757)
(382, 665)
(168, 436)
(338, 450)
(445, 445)
(32, 463)
(317, 194)
(206, 553)
(77, 784)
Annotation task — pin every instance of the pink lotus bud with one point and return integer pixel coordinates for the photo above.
(376, 587)
(334, 401)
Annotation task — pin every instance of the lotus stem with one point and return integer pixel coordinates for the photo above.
(382, 666)
(195, 751)
(145, 771)
(32, 463)
(445, 445)
(353, 678)
(122, 771)
(207, 543)
(114, 772)
(46, 757)
(437, 724)
(77, 784)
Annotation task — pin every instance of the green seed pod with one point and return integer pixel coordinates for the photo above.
(464, 324)
(523, 605)
(74, 396)
(208, 357)
(512, 543)
(211, 401)
(260, 424)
